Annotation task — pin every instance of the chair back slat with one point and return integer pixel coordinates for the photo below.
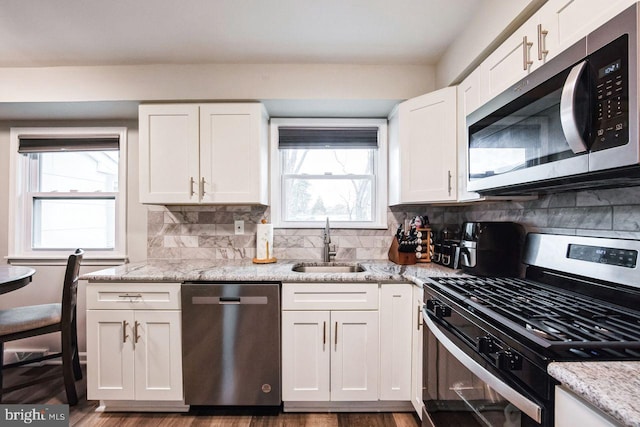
(70, 286)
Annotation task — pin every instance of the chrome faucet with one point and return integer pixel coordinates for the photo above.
(328, 253)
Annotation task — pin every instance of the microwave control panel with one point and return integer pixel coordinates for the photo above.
(610, 66)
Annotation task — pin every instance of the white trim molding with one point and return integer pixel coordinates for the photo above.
(20, 250)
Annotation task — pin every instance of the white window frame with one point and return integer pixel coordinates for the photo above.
(21, 201)
(380, 171)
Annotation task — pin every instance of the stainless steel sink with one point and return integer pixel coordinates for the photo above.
(327, 268)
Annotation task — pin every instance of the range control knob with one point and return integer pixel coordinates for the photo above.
(509, 360)
(487, 345)
(438, 309)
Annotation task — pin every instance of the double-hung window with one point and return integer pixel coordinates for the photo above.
(324, 168)
(69, 192)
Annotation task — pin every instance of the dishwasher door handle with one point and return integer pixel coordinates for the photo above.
(230, 300)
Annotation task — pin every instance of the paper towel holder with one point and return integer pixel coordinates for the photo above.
(269, 259)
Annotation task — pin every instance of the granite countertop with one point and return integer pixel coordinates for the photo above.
(612, 387)
(240, 270)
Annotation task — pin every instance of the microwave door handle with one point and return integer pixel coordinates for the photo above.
(568, 118)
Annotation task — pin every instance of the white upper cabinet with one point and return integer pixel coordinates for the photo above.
(518, 56)
(233, 153)
(169, 146)
(553, 28)
(567, 21)
(207, 153)
(422, 149)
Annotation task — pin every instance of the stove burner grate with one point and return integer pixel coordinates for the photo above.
(562, 318)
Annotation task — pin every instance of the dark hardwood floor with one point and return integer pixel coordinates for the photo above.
(83, 414)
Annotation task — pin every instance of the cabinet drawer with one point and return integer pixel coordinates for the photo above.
(330, 296)
(141, 296)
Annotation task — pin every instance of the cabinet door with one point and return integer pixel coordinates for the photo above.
(354, 355)
(158, 355)
(512, 60)
(416, 352)
(571, 410)
(168, 153)
(427, 138)
(395, 341)
(110, 357)
(305, 355)
(567, 21)
(233, 152)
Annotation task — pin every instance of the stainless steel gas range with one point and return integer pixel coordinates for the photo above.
(488, 340)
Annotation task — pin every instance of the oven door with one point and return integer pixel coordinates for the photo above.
(460, 390)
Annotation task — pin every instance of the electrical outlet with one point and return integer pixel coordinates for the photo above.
(238, 226)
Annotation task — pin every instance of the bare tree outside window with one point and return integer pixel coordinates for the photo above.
(338, 183)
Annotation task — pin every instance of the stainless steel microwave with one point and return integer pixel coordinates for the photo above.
(570, 124)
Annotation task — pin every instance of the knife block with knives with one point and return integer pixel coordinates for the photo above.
(414, 246)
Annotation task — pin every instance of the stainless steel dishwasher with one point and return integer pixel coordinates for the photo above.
(231, 343)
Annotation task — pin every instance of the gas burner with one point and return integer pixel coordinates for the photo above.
(561, 318)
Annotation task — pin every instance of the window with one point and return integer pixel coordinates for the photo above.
(332, 169)
(69, 192)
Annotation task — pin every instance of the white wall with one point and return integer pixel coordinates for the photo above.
(215, 82)
(46, 286)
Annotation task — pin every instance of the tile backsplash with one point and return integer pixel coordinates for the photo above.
(207, 232)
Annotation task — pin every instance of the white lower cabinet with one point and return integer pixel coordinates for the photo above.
(329, 355)
(134, 349)
(330, 342)
(571, 410)
(416, 352)
(395, 341)
(346, 342)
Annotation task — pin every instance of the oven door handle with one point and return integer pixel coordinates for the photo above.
(523, 403)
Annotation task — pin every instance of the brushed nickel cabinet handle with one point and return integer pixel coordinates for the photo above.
(526, 45)
(419, 322)
(136, 337)
(202, 183)
(336, 337)
(324, 334)
(542, 38)
(449, 181)
(124, 331)
(191, 183)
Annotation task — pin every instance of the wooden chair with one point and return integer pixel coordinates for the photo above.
(28, 321)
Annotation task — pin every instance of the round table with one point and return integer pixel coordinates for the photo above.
(14, 277)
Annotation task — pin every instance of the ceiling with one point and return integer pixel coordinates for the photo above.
(118, 32)
(139, 32)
